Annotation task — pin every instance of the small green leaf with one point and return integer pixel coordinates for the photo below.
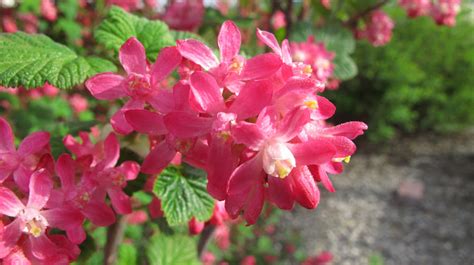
(119, 26)
(336, 38)
(127, 255)
(345, 68)
(31, 60)
(183, 197)
(172, 250)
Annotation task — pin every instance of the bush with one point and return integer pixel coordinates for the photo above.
(421, 81)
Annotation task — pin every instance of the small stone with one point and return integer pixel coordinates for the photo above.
(411, 189)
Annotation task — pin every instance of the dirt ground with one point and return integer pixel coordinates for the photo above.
(366, 217)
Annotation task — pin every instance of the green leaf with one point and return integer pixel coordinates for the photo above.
(172, 250)
(183, 197)
(99, 65)
(119, 26)
(127, 255)
(345, 68)
(336, 38)
(31, 60)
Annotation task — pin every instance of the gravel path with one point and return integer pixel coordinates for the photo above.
(365, 217)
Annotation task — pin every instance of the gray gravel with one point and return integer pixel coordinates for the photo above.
(365, 217)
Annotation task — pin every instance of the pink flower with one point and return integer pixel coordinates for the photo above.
(222, 235)
(415, 8)
(444, 12)
(141, 85)
(249, 260)
(48, 10)
(129, 5)
(195, 227)
(78, 103)
(50, 90)
(184, 14)
(208, 258)
(9, 24)
(137, 217)
(22, 162)
(378, 29)
(278, 20)
(112, 180)
(323, 258)
(32, 220)
(315, 55)
(30, 22)
(326, 3)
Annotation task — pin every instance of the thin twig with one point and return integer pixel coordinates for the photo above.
(115, 235)
(204, 239)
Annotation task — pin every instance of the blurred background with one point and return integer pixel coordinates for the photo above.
(406, 197)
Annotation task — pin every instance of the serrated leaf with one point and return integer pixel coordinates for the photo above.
(172, 250)
(183, 197)
(336, 38)
(32, 60)
(182, 35)
(345, 68)
(99, 65)
(119, 26)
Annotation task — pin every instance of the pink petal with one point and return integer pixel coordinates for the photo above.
(77, 235)
(261, 66)
(325, 109)
(6, 136)
(285, 52)
(279, 192)
(313, 152)
(155, 208)
(120, 201)
(16, 258)
(319, 173)
(267, 121)
(132, 56)
(130, 169)
(10, 205)
(221, 164)
(293, 123)
(270, 40)
(349, 129)
(163, 101)
(9, 237)
(147, 122)
(34, 143)
(187, 125)
(304, 188)
(158, 158)
(40, 189)
(22, 177)
(107, 86)
(344, 146)
(63, 218)
(198, 53)
(168, 59)
(66, 171)
(118, 121)
(42, 247)
(299, 85)
(229, 40)
(253, 97)
(99, 213)
(248, 134)
(111, 152)
(246, 190)
(205, 94)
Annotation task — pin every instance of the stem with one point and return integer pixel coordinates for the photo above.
(206, 236)
(115, 235)
(353, 20)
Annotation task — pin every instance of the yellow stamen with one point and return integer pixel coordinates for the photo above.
(281, 169)
(312, 104)
(307, 69)
(346, 159)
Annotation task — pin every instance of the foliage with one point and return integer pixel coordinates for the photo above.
(421, 81)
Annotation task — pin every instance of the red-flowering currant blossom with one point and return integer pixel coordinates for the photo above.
(444, 12)
(415, 8)
(141, 85)
(316, 55)
(129, 5)
(195, 227)
(22, 162)
(32, 220)
(278, 20)
(184, 14)
(9, 24)
(48, 10)
(378, 28)
(78, 103)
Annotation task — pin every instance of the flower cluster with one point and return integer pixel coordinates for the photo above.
(443, 11)
(38, 194)
(255, 125)
(314, 54)
(378, 28)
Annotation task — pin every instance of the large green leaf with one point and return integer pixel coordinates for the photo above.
(31, 60)
(345, 68)
(183, 197)
(119, 26)
(172, 250)
(127, 255)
